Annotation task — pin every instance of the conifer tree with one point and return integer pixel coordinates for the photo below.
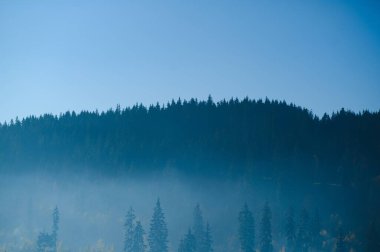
(188, 243)
(44, 243)
(198, 228)
(207, 240)
(266, 230)
(54, 233)
(246, 230)
(290, 230)
(48, 242)
(158, 233)
(138, 244)
(129, 226)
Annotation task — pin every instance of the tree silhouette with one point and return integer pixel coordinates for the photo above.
(246, 230)
(158, 234)
(207, 240)
(266, 230)
(55, 227)
(138, 238)
(188, 243)
(198, 228)
(48, 242)
(290, 230)
(129, 235)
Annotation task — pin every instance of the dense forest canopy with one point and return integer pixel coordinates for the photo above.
(259, 138)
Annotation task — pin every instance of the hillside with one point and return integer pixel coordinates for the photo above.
(235, 137)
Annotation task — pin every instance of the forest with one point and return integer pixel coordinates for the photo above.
(270, 176)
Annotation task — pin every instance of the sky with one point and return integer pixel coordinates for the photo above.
(59, 55)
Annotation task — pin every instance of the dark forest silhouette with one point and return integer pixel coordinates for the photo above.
(235, 137)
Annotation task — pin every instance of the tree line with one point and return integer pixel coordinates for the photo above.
(307, 234)
(261, 137)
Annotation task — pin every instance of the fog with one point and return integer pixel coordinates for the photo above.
(92, 208)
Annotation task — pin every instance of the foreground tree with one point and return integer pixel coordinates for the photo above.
(246, 230)
(266, 230)
(138, 244)
(290, 230)
(188, 243)
(198, 228)
(129, 226)
(48, 242)
(55, 227)
(158, 233)
(207, 240)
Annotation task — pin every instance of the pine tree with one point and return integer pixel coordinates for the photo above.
(138, 244)
(290, 230)
(54, 233)
(188, 244)
(303, 236)
(198, 228)
(246, 230)
(372, 244)
(207, 240)
(48, 242)
(44, 243)
(129, 226)
(266, 230)
(158, 234)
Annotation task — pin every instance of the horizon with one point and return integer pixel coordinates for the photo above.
(164, 105)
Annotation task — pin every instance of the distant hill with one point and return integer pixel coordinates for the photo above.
(254, 138)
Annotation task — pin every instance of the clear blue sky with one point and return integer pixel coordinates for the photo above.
(93, 54)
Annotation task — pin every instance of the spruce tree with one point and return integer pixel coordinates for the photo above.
(158, 233)
(188, 243)
(198, 228)
(138, 244)
(129, 226)
(44, 243)
(290, 230)
(54, 232)
(246, 230)
(207, 240)
(266, 230)
(48, 242)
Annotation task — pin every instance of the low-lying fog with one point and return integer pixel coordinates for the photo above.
(92, 210)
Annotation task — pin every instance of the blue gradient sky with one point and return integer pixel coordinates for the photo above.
(90, 54)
